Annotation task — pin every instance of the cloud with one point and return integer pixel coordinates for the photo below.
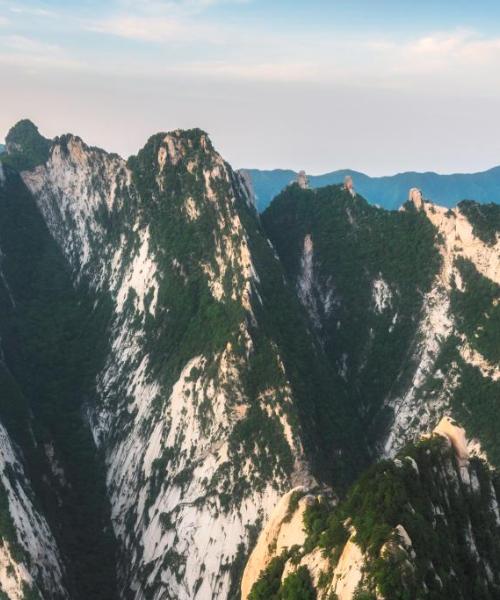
(455, 47)
(184, 6)
(156, 29)
(161, 21)
(25, 51)
(31, 45)
(3, 21)
(34, 12)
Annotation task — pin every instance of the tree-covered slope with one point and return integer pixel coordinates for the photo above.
(173, 365)
(404, 303)
(50, 342)
(424, 525)
(362, 274)
(213, 397)
(389, 191)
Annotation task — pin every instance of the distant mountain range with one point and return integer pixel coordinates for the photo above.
(2, 148)
(389, 191)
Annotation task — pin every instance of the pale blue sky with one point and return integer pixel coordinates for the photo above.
(376, 85)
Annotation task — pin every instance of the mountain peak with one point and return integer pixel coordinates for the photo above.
(26, 147)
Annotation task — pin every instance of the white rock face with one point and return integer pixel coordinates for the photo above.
(413, 416)
(69, 199)
(41, 560)
(476, 359)
(318, 300)
(459, 240)
(284, 530)
(415, 196)
(382, 295)
(435, 326)
(349, 185)
(169, 462)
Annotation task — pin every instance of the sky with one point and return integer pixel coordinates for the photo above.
(381, 86)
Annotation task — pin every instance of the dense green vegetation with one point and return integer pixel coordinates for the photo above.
(190, 322)
(354, 245)
(268, 585)
(26, 147)
(8, 533)
(52, 343)
(484, 218)
(477, 309)
(447, 520)
(296, 586)
(340, 362)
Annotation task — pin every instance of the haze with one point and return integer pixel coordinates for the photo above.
(379, 87)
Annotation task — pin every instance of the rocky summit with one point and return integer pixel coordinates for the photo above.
(201, 402)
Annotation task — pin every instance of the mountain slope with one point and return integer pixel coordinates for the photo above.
(389, 191)
(174, 366)
(50, 459)
(424, 525)
(405, 304)
(213, 398)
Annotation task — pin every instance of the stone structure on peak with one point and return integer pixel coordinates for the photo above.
(415, 196)
(302, 180)
(349, 185)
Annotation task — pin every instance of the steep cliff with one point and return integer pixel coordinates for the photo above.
(212, 398)
(405, 304)
(424, 525)
(55, 508)
(178, 375)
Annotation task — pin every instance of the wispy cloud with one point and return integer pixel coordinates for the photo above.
(163, 21)
(32, 11)
(458, 46)
(31, 45)
(151, 29)
(30, 52)
(177, 6)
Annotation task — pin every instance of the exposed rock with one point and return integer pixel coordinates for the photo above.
(415, 196)
(283, 530)
(349, 185)
(174, 471)
(382, 295)
(302, 180)
(31, 561)
(455, 434)
(349, 571)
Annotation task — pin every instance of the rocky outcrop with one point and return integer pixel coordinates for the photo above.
(416, 198)
(186, 485)
(437, 323)
(441, 476)
(302, 180)
(283, 530)
(349, 185)
(231, 363)
(30, 561)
